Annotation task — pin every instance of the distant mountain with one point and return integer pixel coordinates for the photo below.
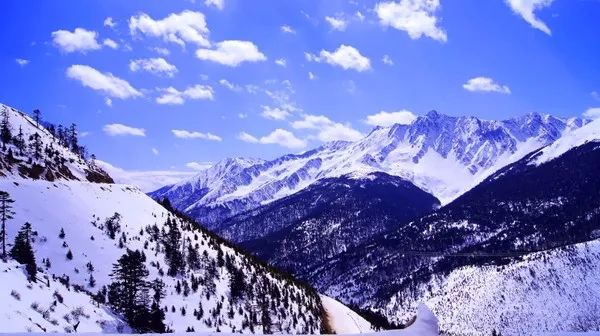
(81, 228)
(302, 231)
(518, 253)
(443, 155)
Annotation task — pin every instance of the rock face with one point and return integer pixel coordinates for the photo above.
(468, 149)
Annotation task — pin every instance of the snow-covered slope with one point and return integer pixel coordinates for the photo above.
(48, 306)
(81, 209)
(47, 158)
(468, 149)
(343, 320)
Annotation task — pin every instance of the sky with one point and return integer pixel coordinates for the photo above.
(164, 88)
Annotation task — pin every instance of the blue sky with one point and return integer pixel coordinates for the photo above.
(163, 84)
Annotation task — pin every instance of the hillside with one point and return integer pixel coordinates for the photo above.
(469, 149)
(302, 231)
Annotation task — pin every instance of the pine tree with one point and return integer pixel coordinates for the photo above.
(22, 251)
(172, 242)
(72, 139)
(113, 225)
(6, 213)
(128, 293)
(157, 315)
(20, 141)
(37, 117)
(5, 132)
(36, 145)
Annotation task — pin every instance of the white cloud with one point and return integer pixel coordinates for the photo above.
(312, 76)
(326, 129)
(281, 62)
(219, 4)
(230, 85)
(232, 53)
(79, 40)
(110, 43)
(386, 59)
(109, 22)
(278, 137)
(359, 16)
(592, 113)
(274, 113)
(485, 84)
(22, 62)
(337, 23)
(383, 118)
(108, 102)
(526, 9)
(147, 181)
(172, 96)
(157, 66)
(287, 29)
(162, 51)
(242, 115)
(416, 17)
(184, 134)
(182, 28)
(155, 151)
(198, 165)
(120, 129)
(104, 82)
(346, 57)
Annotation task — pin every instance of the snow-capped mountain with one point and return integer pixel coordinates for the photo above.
(440, 154)
(302, 231)
(81, 229)
(518, 253)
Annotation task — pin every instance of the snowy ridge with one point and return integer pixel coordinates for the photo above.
(53, 161)
(581, 136)
(343, 320)
(468, 148)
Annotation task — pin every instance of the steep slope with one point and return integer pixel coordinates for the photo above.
(80, 229)
(511, 236)
(41, 150)
(468, 148)
(302, 231)
(49, 306)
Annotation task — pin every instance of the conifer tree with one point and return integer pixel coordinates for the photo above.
(22, 251)
(5, 132)
(6, 213)
(37, 117)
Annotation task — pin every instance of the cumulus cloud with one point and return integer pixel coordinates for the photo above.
(281, 62)
(287, 29)
(79, 40)
(279, 136)
(198, 165)
(110, 43)
(274, 113)
(108, 102)
(592, 113)
(184, 134)
(526, 9)
(232, 53)
(219, 4)
(337, 23)
(416, 17)
(229, 85)
(485, 84)
(157, 66)
(326, 129)
(22, 62)
(120, 129)
(346, 57)
(311, 76)
(104, 82)
(182, 28)
(162, 51)
(109, 22)
(172, 96)
(387, 60)
(383, 118)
